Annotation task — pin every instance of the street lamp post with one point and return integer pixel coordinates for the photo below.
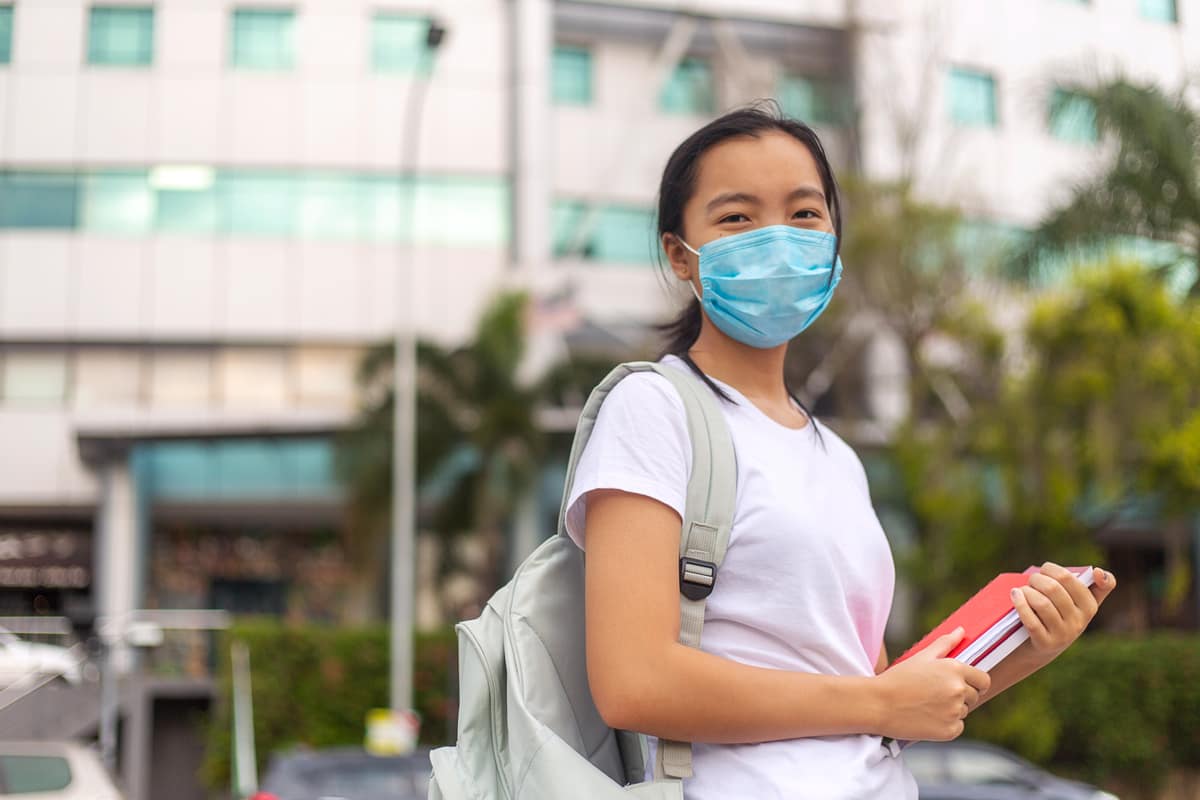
(404, 389)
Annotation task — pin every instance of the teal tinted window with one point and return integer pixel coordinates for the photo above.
(120, 36)
(259, 469)
(465, 212)
(619, 234)
(398, 44)
(972, 97)
(6, 27)
(38, 200)
(118, 202)
(256, 203)
(185, 199)
(1072, 117)
(571, 76)
(32, 774)
(1159, 10)
(810, 100)
(690, 89)
(332, 206)
(263, 39)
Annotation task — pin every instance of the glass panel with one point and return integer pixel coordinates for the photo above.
(253, 377)
(181, 378)
(325, 376)
(387, 200)
(571, 78)
(1159, 10)
(29, 774)
(972, 98)
(248, 468)
(567, 216)
(180, 469)
(624, 234)
(38, 199)
(117, 202)
(810, 100)
(308, 466)
(256, 203)
(6, 28)
(106, 378)
(689, 89)
(121, 36)
(979, 766)
(1072, 117)
(398, 44)
(185, 199)
(463, 212)
(263, 39)
(332, 207)
(35, 376)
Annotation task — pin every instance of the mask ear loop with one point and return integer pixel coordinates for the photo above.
(696, 253)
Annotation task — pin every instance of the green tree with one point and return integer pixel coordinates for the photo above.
(1098, 415)
(1150, 187)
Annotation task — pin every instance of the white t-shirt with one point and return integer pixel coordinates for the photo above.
(806, 584)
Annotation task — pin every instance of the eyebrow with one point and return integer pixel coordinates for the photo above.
(743, 197)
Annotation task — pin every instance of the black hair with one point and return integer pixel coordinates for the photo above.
(679, 183)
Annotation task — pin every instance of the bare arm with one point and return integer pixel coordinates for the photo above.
(643, 679)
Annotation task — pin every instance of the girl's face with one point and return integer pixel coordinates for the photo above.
(746, 183)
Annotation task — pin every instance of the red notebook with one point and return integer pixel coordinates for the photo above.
(992, 627)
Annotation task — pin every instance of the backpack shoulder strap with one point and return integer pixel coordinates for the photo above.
(708, 515)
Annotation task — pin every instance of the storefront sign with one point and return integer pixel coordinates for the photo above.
(45, 558)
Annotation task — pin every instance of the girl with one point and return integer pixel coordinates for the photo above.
(790, 695)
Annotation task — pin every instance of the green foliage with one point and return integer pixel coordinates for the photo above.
(1108, 707)
(1100, 416)
(312, 687)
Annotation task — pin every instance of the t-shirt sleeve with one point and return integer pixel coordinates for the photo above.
(639, 444)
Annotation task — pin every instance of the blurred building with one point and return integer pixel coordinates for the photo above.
(209, 209)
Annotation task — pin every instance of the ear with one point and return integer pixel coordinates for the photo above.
(683, 262)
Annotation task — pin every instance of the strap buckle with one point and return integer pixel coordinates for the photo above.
(696, 578)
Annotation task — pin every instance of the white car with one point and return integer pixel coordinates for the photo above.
(53, 771)
(24, 662)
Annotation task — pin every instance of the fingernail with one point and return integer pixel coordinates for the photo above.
(1015, 594)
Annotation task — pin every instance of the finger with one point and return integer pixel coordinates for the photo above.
(977, 679)
(1105, 583)
(1057, 594)
(1043, 606)
(1083, 599)
(942, 645)
(971, 697)
(1029, 618)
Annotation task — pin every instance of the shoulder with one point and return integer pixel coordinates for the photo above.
(842, 453)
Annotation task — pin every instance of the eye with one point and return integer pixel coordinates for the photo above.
(734, 218)
(800, 214)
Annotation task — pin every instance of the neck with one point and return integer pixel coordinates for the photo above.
(756, 373)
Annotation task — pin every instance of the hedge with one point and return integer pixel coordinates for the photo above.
(313, 685)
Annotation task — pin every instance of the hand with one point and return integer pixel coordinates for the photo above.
(927, 696)
(1055, 607)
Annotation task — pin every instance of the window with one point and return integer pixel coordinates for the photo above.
(38, 200)
(332, 207)
(181, 378)
(121, 36)
(972, 97)
(620, 234)
(263, 39)
(253, 377)
(118, 202)
(34, 376)
(251, 468)
(571, 76)
(325, 376)
(1159, 10)
(256, 203)
(185, 200)
(1072, 117)
(689, 90)
(808, 99)
(6, 29)
(398, 44)
(34, 774)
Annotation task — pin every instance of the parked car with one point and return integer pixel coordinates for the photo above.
(53, 771)
(345, 773)
(23, 661)
(967, 770)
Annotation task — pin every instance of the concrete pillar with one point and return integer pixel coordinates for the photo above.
(533, 42)
(118, 556)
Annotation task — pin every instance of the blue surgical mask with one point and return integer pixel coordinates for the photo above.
(763, 287)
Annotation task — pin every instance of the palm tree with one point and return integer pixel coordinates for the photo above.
(1151, 187)
(479, 447)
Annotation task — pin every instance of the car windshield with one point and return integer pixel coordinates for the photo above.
(968, 765)
(363, 780)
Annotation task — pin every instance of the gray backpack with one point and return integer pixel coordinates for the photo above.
(527, 726)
